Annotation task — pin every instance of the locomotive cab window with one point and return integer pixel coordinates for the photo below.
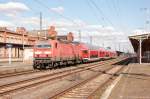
(85, 51)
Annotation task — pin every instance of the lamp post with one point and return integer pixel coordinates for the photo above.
(23, 47)
(38, 35)
(9, 52)
(140, 45)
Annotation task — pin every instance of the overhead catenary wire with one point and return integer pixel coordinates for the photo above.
(101, 13)
(118, 12)
(61, 15)
(94, 13)
(99, 19)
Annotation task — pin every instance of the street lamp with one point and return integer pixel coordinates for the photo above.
(23, 47)
(38, 35)
(9, 52)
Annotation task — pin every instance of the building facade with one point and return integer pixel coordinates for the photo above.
(17, 40)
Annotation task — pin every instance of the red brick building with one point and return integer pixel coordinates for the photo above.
(18, 39)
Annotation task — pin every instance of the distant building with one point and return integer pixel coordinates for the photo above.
(22, 40)
(18, 39)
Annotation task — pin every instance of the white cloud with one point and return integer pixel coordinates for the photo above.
(59, 9)
(13, 8)
(30, 20)
(6, 24)
(86, 29)
(106, 35)
(110, 28)
(61, 23)
(138, 32)
(102, 35)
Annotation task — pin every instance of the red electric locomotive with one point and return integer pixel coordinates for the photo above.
(50, 53)
(57, 52)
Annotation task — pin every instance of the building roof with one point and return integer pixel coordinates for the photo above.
(42, 33)
(142, 36)
(145, 42)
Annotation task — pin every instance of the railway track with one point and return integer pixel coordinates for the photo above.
(87, 88)
(24, 72)
(32, 71)
(12, 87)
(17, 73)
(40, 74)
(41, 71)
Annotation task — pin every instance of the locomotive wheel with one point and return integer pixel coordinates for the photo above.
(50, 66)
(34, 66)
(42, 66)
(64, 63)
(56, 65)
(68, 63)
(59, 65)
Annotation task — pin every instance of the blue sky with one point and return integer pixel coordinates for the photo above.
(127, 12)
(120, 17)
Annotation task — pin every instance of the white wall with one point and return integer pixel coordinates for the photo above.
(28, 54)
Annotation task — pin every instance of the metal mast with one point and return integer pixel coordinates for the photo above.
(40, 21)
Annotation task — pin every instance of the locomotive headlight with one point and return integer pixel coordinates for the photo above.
(38, 52)
(47, 52)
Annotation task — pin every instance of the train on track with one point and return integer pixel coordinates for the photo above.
(51, 53)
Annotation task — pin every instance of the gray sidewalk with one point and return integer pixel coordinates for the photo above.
(134, 84)
(14, 67)
(15, 64)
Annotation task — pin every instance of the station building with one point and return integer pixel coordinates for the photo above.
(141, 45)
(21, 41)
(18, 40)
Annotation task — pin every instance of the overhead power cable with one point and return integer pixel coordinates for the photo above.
(101, 12)
(61, 15)
(94, 13)
(118, 12)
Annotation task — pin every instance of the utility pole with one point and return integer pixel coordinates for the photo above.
(79, 35)
(23, 46)
(103, 45)
(40, 25)
(40, 21)
(115, 46)
(140, 47)
(119, 47)
(147, 18)
(91, 40)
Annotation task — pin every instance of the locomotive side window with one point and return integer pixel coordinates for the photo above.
(43, 46)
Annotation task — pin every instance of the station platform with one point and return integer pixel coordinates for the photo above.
(5, 67)
(5, 60)
(134, 83)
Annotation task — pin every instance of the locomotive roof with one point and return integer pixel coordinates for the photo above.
(75, 42)
(42, 41)
(63, 41)
(92, 47)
